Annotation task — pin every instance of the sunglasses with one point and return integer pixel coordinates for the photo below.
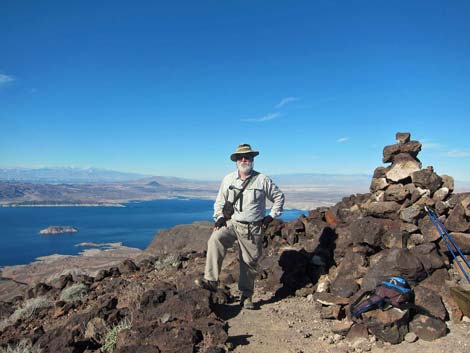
(246, 156)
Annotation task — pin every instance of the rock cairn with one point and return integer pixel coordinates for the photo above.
(337, 253)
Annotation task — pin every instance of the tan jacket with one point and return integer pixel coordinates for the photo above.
(251, 206)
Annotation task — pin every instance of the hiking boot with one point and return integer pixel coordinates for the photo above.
(205, 284)
(247, 303)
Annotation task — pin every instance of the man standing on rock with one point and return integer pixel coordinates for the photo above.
(240, 214)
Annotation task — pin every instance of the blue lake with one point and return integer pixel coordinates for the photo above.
(134, 225)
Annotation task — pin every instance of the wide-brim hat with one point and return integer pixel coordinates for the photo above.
(243, 149)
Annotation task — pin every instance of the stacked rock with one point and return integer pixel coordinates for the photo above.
(354, 245)
(404, 188)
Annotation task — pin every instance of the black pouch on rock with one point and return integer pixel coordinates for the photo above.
(228, 210)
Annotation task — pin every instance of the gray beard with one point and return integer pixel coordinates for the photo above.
(245, 168)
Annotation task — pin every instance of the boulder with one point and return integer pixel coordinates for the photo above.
(441, 207)
(461, 239)
(358, 330)
(38, 290)
(410, 214)
(415, 239)
(96, 329)
(380, 172)
(331, 312)
(352, 267)
(62, 281)
(438, 282)
(428, 328)
(408, 227)
(180, 239)
(394, 262)
(378, 184)
(389, 326)
(411, 148)
(430, 302)
(396, 192)
(441, 194)
(395, 239)
(466, 205)
(386, 209)
(456, 221)
(368, 230)
(427, 228)
(403, 166)
(427, 179)
(402, 137)
(429, 256)
(128, 266)
(448, 182)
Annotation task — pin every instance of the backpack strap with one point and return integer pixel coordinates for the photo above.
(245, 184)
(353, 305)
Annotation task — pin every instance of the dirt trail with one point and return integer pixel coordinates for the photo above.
(293, 325)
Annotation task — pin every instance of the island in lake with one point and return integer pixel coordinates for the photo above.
(58, 230)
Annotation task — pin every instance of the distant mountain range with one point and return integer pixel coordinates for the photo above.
(55, 175)
(92, 186)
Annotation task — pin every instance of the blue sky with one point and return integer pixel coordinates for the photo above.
(172, 88)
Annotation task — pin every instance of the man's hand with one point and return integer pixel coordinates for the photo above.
(266, 220)
(221, 222)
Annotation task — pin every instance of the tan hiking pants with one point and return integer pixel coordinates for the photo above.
(250, 241)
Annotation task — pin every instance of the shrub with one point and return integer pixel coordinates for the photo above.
(74, 292)
(29, 308)
(110, 338)
(170, 260)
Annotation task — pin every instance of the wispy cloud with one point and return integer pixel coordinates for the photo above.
(264, 118)
(457, 154)
(342, 139)
(4, 79)
(285, 101)
(428, 144)
(431, 145)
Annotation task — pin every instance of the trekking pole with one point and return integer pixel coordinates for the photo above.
(448, 240)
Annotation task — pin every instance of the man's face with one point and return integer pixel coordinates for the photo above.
(245, 163)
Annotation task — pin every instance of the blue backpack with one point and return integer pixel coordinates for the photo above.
(394, 291)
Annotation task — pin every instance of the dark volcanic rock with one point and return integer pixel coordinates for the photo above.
(128, 266)
(378, 184)
(429, 257)
(390, 325)
(412, 148)
(402, 137)
(426, 178)
(461, 239)
(181, 238)
(428, 229)
(410, 214)
(448, 182)
(386, 209)
(430, 302)
(396, 192)
(456, 221)
(395, 262)
(62, 282)
(428, 328)
(368, 230)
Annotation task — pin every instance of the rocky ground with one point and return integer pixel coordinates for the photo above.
(294, 325)
(311, 270)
